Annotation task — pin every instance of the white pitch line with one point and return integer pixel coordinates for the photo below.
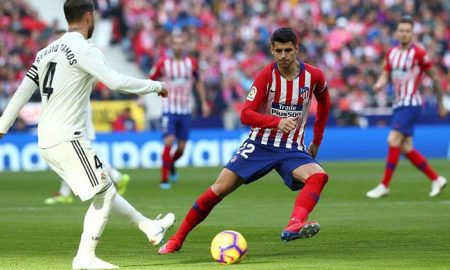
(27, 208)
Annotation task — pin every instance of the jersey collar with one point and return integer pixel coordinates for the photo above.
(302, 68)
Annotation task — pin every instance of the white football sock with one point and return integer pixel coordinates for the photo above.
(127, 211)
(64, 189)
(95, 221)
(113, 174)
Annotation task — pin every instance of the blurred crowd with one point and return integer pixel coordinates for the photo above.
(347, 39)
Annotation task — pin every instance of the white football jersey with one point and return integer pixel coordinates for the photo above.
(64, 72)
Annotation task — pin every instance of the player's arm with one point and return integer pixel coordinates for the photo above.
(383, 79)
(199, 87)
(20, 98)
(250, 115)
(201, 91)
(437, 90)
(323, 111)
(93, 62)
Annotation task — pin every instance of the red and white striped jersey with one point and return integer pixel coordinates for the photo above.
(406, 68)
(179, 76)
(276, 97)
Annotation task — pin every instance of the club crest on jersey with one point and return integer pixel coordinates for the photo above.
(303, 91)
(252, 94)
(103, 177)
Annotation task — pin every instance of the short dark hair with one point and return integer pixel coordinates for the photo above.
(59, 32)
(406, 19)
(75, 9)
(284, 35)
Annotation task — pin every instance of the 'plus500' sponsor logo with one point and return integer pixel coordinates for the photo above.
(282, 110)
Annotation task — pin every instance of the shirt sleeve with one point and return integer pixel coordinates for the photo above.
(93, 62)
(33, 74)
(424, 60)
(323, 108)
(387, 65)
(19, 99)
(156, 71)
(256, 97)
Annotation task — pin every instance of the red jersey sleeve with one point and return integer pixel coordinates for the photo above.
(423, 59)
(156, 71)
(323, 107)
(256, 100)
(387, 65)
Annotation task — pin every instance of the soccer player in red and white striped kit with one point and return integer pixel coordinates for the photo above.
(181, 74)
(405, 65)
(276, 108)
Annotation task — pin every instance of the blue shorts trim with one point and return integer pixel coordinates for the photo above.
(177, 125)
(253, 161)
(404, 119)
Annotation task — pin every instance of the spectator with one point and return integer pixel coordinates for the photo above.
(346, 39)
(124, 122)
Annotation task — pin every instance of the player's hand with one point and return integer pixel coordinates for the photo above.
(164, 91)
(313, 150)
(377, 87)
(1, 135)
(205, 109)
(288, 124)
(442, 112)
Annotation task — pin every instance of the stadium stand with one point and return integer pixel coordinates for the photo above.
(346, 39)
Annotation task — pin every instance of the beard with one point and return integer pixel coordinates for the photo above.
(90, 31)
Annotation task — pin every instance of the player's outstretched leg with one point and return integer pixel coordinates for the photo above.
(437, 186)
(437, 182)
(382, 189)
(155, 230)
(299, 230)
(202, 207)
(94, 224)
(298, 226)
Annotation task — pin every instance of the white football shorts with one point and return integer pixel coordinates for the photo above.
(78, 165)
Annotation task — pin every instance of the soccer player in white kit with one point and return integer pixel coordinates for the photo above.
(64, 72)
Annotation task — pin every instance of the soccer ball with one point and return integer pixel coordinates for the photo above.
(228, 247)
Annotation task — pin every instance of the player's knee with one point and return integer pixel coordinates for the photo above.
(394, 143)
(220, 189)
(395, 139)
(169, 140)
(305, 173)
(406, 148)
(105, 197)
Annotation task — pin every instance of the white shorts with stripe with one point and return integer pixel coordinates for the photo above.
(78, 165)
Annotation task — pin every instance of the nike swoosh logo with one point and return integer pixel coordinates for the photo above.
(160, 232)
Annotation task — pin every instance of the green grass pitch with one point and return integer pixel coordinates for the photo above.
(406, 230)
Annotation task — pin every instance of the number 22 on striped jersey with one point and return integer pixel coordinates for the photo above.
(245, 149)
